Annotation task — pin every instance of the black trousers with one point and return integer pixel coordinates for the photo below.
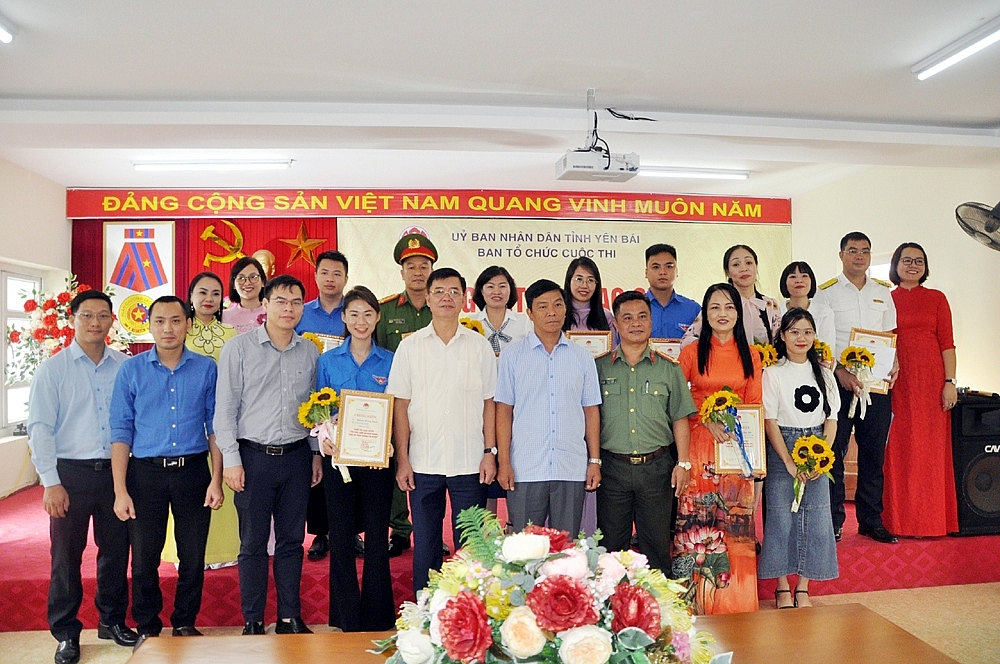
(278, 487)
(316, 520)
(157, 491)
(91, 492)
(369, 496)
(871, 434)
(639, 494)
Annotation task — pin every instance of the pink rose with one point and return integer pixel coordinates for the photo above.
(573, 564)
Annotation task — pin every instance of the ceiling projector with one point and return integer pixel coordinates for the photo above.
(597, 165)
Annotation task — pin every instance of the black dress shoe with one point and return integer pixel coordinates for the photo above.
(397, 545)
(445, 551)
(187, 630)
(359, 547)
(253, 628)
(292, 626)
(878, 533)
(838, 533)
(121, 634)
(320, 547)
(68, 651)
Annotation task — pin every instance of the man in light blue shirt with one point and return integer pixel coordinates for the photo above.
(70, 439)
(161, 414)
(672, 312)
(548, 419)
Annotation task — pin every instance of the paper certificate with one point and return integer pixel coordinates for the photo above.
(727, 455)
(883, 347)
(597, 342)
(329, 341)
(364, 429)
(669, 347)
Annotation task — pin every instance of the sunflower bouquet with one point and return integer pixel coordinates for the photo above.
(768, 354)
(860, 361)
(317, 414)
(810, 454)
(720, 407)
(313, 337)
(474, 325)
(824, 352)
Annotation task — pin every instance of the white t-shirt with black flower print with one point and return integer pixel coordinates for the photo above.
(792, 396)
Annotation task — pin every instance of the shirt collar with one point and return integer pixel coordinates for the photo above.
(316, 306)
(263, 337)
(535, 342)
(153, 358)
(616, 355)
(76, 351)
(652, 298)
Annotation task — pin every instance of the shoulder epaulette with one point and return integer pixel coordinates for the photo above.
(884, 283)
(388, 298)
(827, 284)
(667, 357)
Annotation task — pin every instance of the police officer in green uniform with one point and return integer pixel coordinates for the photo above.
(402, 314)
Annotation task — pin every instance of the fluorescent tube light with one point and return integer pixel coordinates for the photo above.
(214, 165)
(973, 42)
(7, 30)
(695, 173)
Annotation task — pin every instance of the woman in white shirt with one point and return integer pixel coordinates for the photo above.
(496, 295)
(800, 399)
(798, 286)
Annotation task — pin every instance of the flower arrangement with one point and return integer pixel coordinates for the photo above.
(811, 454)
(860, 362)
(823, 352)
(49, 331)
(313, 337)
(542, 596)
(768, 354)
(474, 325)
(720, 408)
(317, 413)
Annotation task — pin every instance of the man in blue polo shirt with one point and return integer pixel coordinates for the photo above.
(324, 316)
(672, 312)
(161, 412)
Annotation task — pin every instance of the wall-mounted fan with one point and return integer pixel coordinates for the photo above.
(981, 222)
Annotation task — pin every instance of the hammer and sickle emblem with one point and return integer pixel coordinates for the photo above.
(233, 251)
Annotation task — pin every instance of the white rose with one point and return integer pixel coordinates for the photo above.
(585, 645)
(523, 546)
(414, 646)
(520, 633)
(438, 600)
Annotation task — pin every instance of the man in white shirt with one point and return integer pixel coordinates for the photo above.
(863, 303)
(443, 377)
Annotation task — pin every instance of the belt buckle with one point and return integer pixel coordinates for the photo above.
(274, 450)
(98, 465)
(174, 463)
(637, 460)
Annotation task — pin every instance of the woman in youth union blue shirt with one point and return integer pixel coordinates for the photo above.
(359, 364)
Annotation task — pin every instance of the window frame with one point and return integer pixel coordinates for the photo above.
(7, 314)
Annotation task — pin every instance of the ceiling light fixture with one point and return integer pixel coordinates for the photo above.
(215, 165)
(973, 42)
(7, 30)
(694, 173)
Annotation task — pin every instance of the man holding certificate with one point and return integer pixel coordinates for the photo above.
(443, 378)
(860, 303)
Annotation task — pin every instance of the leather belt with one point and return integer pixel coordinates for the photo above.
(639, 459)
(92, 464)
(273, 450)
(171, 462)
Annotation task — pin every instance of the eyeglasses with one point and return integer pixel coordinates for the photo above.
(281, 303)
(919, 262)
(87, 317)
(856, 252)
(248, 279)
(590, 281)
(441, 292)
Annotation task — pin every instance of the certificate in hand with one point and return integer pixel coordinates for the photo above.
(597, 342)
(330, 341)
(669, 347)
(883, 346)
(728, 456)
(364, 429)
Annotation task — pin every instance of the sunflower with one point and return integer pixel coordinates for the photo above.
(318, 407)
(768, 354)
(856, 357)
(474, 325)
(800, 453)
(304, 414)
(316, 340)
(325, 397)
(823, 351)
(717, 403)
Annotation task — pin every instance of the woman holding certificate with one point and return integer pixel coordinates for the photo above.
(358, 364)
(714, 543)
(800, 399)
(919, 490)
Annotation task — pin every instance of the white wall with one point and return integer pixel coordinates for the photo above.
(16, 469)
(894, 205)
(33, 224)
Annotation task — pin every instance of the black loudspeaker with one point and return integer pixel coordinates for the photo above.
(975, 424)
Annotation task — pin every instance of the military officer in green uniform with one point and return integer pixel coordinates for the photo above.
(402, 314)
(645, 436)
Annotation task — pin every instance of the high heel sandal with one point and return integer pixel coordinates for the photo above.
(795, 599)
(776, 593)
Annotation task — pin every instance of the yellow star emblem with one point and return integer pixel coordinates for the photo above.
(146, 263)
(302, 247)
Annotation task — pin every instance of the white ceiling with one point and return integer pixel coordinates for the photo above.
(489, 94)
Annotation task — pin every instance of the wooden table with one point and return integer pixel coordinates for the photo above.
(843, 634)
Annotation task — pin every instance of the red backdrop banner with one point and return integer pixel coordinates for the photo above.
(474, 203)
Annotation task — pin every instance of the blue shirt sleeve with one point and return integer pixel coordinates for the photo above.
(504, 392)
(212, 375)
(43, 413)
(591, 383)
(123, 405)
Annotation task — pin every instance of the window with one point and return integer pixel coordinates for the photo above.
(16, 289)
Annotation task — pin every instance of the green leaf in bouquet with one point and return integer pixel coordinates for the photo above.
(633, 638)
(639, 657)
(382, 645)
(517, 597)
(480, 534)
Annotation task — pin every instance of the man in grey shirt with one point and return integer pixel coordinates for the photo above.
(264, 376)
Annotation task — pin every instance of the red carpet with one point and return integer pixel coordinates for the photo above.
(864, 566)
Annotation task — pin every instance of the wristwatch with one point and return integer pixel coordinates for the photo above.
(594, 461)
(491, 450)
(950, 380)
(686, 465)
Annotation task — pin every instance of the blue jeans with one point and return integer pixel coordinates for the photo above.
(427, 504)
